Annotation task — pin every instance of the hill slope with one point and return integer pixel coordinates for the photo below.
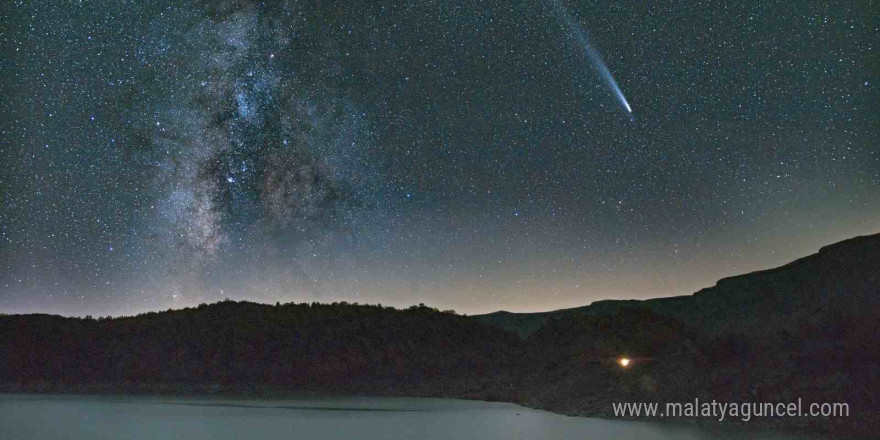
(804, 330)
(840, 280)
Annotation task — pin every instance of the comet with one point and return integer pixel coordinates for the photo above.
(591, 53)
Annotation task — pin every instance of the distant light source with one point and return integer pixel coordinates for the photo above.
(624, 362)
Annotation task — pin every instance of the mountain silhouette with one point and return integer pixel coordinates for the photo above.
(806, 330)
(842, 279)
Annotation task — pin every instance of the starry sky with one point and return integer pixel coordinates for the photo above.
(467, 155)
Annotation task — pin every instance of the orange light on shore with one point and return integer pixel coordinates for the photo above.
(624, 362)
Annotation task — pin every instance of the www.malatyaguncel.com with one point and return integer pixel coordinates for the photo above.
(720, 411)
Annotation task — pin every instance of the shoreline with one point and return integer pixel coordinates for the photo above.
(274, 394)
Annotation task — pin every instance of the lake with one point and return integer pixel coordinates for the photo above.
(68, 417)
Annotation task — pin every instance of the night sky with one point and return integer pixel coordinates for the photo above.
(468, 155)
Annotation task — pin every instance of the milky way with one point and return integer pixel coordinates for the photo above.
(467, 156)
(252, 150)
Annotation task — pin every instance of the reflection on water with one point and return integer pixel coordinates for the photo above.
(47, 417)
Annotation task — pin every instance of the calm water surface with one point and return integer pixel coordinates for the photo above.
(48, 417)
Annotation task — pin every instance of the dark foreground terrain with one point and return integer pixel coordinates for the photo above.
(807, 330)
